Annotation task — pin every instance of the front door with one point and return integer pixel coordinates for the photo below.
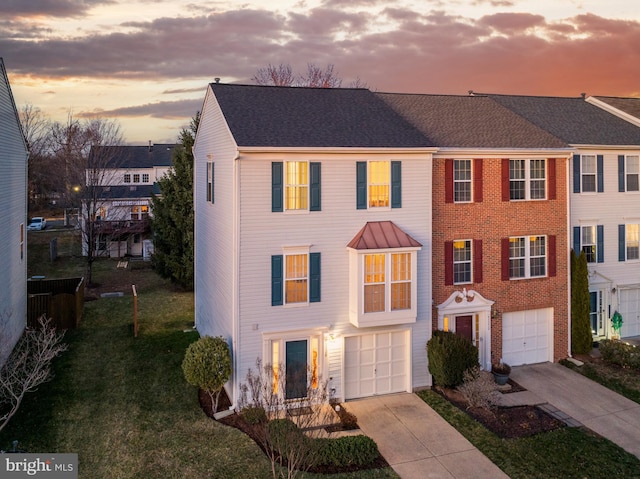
(464, 326)
(296, 369)
(596, 313)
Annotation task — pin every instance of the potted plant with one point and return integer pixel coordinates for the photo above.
(501, 372)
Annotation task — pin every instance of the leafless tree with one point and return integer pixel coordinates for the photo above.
(293, 423)
(28, 366)
(317, 77)
(280, 75)
(36, 127)
(314, 77)
(89, 153)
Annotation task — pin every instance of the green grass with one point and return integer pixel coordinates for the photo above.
(564, 453)
(121, 403)
(625, 382)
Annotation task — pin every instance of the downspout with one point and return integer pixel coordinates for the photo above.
(235, 280)
(568, 171)
(195, 236)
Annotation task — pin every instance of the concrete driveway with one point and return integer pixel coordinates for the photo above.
(598, 408)
(417, 442)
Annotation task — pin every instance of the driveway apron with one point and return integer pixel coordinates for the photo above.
(417, 442)
(598, 408)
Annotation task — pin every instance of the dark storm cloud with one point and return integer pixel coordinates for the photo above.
(49, 8)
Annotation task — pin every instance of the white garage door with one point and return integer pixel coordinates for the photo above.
(376, 364)
(630, 311)
(527, 337)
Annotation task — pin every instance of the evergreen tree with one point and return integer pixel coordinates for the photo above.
(172, 222)
(581, 339)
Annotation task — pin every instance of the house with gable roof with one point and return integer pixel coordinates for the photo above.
(500, 242)
(604, 192)
(13, 233)
(127, 181)
(313, 237)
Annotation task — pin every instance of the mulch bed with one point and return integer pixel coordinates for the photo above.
(254, 431)
(505, 422)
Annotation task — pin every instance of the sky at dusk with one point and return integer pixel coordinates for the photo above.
(146, 63)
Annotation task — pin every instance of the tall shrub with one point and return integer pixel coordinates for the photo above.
(207, 365)
(450, 355)
(581, 339)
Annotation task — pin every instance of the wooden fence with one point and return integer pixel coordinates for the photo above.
(60, 299)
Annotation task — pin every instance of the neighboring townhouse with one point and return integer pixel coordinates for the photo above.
(500, 238)
(626, 108)
(13, 234)
(313, 237)
(126, 180)
(605, 194)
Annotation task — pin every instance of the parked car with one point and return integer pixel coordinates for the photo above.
(37, 223)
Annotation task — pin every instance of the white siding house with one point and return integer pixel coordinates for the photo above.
(313, 236)
(127, 180)
(604, 199)
(13, 204)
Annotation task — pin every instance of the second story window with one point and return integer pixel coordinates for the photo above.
(296, 185)
(462, 181)
(136, 178)
(374, 283)
(462, 261)
(527, 179)
(588, 243)
(379, 184)
(631, 173)
(589, 172)
(127, 178)
(145, 177)
(632, 244)
(527, 257)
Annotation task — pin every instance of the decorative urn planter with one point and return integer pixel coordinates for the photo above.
(501, 373)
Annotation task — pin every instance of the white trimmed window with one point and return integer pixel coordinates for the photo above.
(462, 261)
(462, 181)
(136, 178)
(527, 179)
(127, 178)
(296, 185)
(145, 177)
(296, 278)
(379, 184)
(527, 257)
(588, 173)
(632, 244)
(588, 242)
(387, 282)
(632, 173)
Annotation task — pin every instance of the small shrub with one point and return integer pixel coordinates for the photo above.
(450, 355)
(347, 451)
(254, 415)
(282, 433)
(620, 353)
(479, 389)
(207, 365)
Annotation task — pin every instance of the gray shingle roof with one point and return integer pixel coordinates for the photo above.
(469, 121)
(313, 117)
(572, 119)
(120, 192)
(134, 156)
(631, 106)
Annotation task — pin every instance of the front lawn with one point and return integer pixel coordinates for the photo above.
(564, 453)
(121, 403)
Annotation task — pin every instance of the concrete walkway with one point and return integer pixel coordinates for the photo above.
(579, 400)
(417, 442)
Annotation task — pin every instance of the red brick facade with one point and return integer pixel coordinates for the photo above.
(491, 219)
